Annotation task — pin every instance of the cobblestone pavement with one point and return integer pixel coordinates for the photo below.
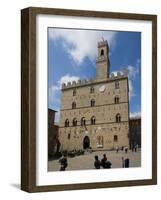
(87, 161)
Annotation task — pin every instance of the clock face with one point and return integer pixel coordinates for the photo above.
(102, 88)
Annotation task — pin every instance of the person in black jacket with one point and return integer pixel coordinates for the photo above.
(63, 163)
(97, 163)
(105, 163)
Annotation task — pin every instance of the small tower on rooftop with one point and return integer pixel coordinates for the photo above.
(102, 62)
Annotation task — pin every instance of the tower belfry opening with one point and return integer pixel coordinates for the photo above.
(102, 52)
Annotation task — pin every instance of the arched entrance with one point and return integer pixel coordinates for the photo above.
(86, 142)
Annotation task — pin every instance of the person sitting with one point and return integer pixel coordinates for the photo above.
(108, 164)
(97, 163)
(105, 163)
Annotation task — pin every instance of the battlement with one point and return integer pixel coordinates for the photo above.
(85, 82)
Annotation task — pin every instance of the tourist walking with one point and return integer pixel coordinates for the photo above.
(126, 149)
(122, 162)
(136, 148)
(117, 149)
(63, 163)
(125, 162)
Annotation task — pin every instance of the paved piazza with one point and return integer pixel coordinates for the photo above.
(87, 161)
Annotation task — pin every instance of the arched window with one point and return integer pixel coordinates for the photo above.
(92, 89)
(117, 85)
(86, 142)
(92, 102)
(102, 52)
(74, 92)
(66, 123)
(115, 138)
(99, 141)
(93, 120)
(116, 99)
(83, 121)
(118, 118)
(74, 122)
(73, 105)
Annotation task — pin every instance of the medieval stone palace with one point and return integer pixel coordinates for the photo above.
(95, 113)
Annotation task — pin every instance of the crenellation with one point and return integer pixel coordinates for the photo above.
(74, 83)
(69, 84)
(86, 82)
(79, 82)
(63, 85)
(118, 74)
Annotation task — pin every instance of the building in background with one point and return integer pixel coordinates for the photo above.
(135, 132)
(95, 113)
(53, 140)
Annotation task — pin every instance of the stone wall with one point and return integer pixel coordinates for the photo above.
(83, 95)
(105, 111)
(53, 131)
(73, 137)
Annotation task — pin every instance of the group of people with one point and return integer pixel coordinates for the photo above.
(134, 148)
(98, 164)
(104, 163)
(122, 148)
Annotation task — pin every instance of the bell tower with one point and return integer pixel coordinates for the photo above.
(102, 62)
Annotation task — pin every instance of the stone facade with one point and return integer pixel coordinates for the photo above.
(95, 113)
(53, 142)
(135, 132)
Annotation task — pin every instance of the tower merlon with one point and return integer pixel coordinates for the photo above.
(103, 43)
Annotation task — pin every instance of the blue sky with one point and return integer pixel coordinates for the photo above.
(72, 54)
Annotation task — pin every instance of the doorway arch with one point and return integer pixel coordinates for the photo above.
(86, 142)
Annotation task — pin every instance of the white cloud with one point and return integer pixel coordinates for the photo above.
(135, 115)
(57, 115)
(81, 43)
(131, 71)
(131, 89)
(53, 89)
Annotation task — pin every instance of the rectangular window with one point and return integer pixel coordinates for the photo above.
(68, 136)
(115, 138)
(99, 141)
(117, 86)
